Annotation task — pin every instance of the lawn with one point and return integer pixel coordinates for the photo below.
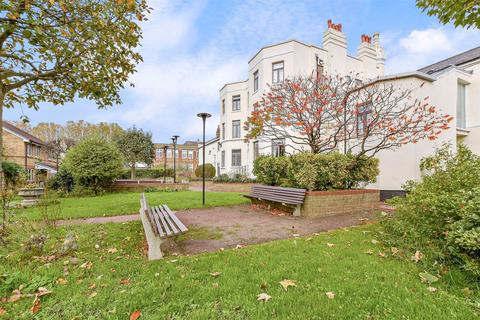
(129, 203)
(116, 280)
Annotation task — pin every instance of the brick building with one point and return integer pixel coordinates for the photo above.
(186, 156)
(30, 152)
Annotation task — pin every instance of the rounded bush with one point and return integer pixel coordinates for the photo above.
(209, 171)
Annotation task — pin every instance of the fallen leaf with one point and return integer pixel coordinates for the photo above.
(112, 250)
(135, 315)
(36, 305)
(92, 286)
(43, 291)
(330, 294)
(157, 274)
(86, 265)
(125, 281)
(97, 246)
(382, 254)
(17, 295)
(417, 256)
(374, 241)
(100, 277)
(264, 297)
(296, 235)
(61, 281)
(394, 250)
(285, 283)
(2, 311)
(238, 246)
(370, 252)
(467, 292)
(427, 277)
(432, 289)
(92, 295)
(215, 274)
(215, 285)
(330, 245)
(174, 260)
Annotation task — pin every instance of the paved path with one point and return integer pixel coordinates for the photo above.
(240, 225)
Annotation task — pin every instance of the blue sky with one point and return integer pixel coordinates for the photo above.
(191, 48)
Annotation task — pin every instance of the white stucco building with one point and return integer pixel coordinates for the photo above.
(453, 85)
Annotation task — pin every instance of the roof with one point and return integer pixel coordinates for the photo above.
(459, 59)
(280, 43)
(209, 142)
(23, 134)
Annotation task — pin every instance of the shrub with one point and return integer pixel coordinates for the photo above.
(94, 163)
(14, 173)
(439, 215)
(237, 178)
(316, 171)
(63, 181)
(270, 170)
(209, 170)
(148, 173)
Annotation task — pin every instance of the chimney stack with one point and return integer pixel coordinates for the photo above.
(335, 42)
(379, 53)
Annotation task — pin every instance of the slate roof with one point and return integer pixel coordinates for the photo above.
(459, 59)
(24, 134)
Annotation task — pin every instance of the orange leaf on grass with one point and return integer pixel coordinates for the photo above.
(135, 315)
(36, 305)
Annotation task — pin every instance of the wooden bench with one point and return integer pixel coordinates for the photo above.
(159, 223)
(290, 197)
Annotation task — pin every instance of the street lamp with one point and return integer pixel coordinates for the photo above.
(174, 140)
(165, 163)
(204, 117)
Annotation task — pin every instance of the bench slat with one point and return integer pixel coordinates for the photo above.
(278, 199)
(158, 224)
(291, 196)
(169, 221)
(162, 219)
(146, 209)
(177, 221)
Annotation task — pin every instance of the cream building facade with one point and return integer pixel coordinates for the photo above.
(453, 85)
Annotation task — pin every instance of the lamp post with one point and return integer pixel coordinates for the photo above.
(204, 117)
(165, 163)
(174, 140)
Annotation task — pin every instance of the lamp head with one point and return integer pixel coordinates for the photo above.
(204, 115)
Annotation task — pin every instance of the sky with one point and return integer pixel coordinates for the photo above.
(192, 48)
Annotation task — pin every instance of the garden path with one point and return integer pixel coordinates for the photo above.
(228, 227)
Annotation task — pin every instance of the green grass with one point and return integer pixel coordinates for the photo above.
(366, 286)
(129, 203)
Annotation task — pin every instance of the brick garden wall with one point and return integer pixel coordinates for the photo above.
(326, 203)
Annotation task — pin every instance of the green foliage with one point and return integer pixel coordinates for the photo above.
(236, 178)
(63, 181)
(271, 171)
(54, 51)
(136, 146)
(464, 13)
(209, 171)
(440, 214)
(14, 173)
(316, 171)
(94, 163)
(148, 173)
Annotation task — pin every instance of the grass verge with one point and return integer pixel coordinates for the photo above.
(129, 203)
(116, 280)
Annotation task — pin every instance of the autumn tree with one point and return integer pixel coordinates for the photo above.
(327, 113)
(136, 147)
(464, 13)
(56, 51)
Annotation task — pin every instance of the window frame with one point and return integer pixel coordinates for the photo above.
(363, 117)
(256, 150)
(278, 147)
(184, 152)
(239, 153)
(223, 106)
(223, 131)
(159, 153)
(222, 160)
(235, 126)
(461, 113)
(255, 81)
(276, 71)
(236, 98)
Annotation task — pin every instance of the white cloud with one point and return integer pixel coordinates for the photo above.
(423, 47)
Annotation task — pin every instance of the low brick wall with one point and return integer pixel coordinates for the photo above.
(141, 185)
(326, 203)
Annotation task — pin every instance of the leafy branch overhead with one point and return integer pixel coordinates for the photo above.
(327, 113)
(53, 51)
(464, 13)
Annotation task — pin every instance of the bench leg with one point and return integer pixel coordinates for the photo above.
(297, 211)
(153, 241)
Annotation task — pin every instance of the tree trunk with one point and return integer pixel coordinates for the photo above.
(133, 173)
(2, 100)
